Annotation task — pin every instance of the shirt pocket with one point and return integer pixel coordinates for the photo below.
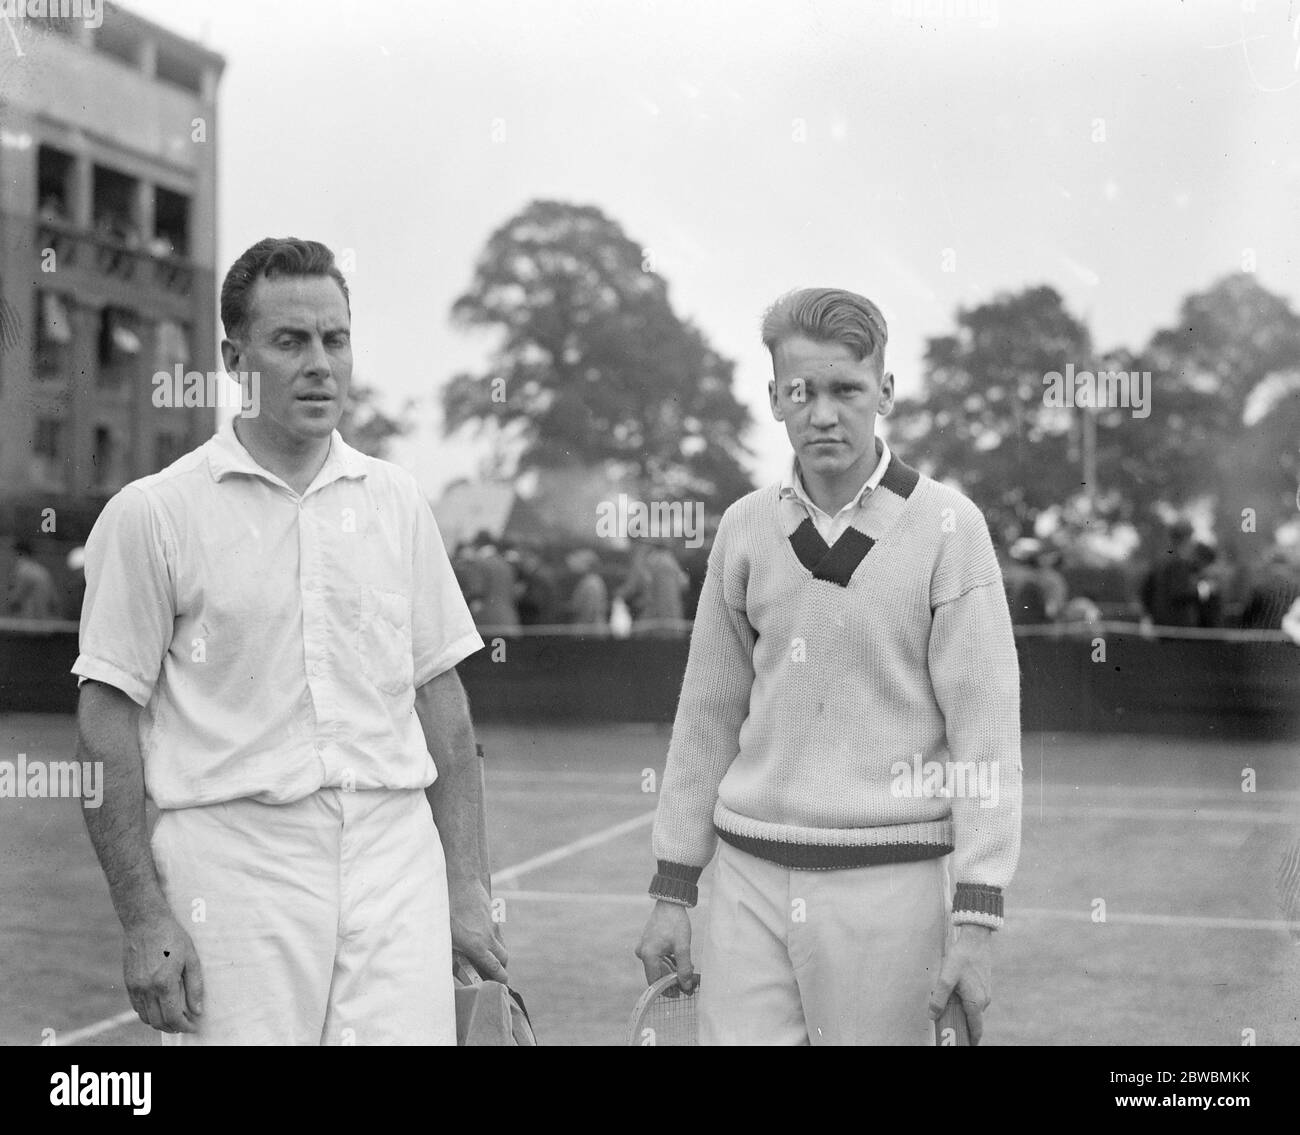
(384, 639)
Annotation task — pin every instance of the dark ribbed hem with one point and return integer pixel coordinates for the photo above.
(977, 898)
(820, 857)
(676, 882)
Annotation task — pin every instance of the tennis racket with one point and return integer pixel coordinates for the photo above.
(665, 1016)
(951, 1029)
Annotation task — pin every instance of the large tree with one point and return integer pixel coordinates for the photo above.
(593, 366)
(1222, 420)
(982, 421)
(1227, 397)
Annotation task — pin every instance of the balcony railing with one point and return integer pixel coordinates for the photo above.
(116, 259)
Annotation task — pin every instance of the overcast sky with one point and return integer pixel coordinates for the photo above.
(408, 130)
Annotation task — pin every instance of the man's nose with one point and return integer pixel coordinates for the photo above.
(318, 360)
(822, 411)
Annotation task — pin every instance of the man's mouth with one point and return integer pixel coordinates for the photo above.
(316, 396)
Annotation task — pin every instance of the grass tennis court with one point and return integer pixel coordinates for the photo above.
(1193, 949)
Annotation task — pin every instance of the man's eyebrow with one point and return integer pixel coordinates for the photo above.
(829, 379)
(302, 329)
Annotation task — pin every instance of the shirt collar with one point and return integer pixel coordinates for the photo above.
(792, 481)
(227, 455)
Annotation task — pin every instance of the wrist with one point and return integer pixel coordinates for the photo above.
(145, 912)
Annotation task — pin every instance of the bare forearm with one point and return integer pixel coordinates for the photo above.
(456, 797)
(118, 830)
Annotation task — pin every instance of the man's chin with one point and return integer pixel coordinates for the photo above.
(316, 426)
(826, 460)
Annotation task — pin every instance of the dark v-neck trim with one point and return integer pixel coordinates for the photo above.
(836, 563)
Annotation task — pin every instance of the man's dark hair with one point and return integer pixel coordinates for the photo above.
(269, 258)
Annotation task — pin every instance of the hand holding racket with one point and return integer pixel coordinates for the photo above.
(666, 1015)
(665, 945)
(951, 1030)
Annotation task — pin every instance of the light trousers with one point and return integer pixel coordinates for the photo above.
(324, 921)
(821, 957)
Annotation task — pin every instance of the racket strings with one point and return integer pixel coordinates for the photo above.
(668, 1018)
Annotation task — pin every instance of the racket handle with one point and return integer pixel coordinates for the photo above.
(463, 970)
(951, 1030)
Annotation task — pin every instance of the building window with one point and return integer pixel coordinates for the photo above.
(118, 42)
(47, 454)
(114, 207)
(49, 438)
(179, 73)
(54, 184)
(119, 344)
(53, 336)
(171, 223)
(171, 345)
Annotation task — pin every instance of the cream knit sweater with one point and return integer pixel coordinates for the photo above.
(850, 706)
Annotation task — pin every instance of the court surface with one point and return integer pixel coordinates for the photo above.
(1192, 950)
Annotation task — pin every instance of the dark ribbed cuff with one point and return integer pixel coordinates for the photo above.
(676, 882)
(979, 903)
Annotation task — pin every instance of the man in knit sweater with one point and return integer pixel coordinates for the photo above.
(848, 734)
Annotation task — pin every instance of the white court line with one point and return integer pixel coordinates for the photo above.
(106, 1025)
(1083, 811)
(1193, 921)
(594, 840)
(1190, 921)
(505, 875)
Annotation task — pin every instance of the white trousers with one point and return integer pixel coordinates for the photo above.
(320, 922)
(821, 957)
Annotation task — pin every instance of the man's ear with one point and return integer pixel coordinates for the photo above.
(230, 358)
(885, 402)
(777, 412)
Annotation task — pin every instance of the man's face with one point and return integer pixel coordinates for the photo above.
(828, 401)
(298, 339)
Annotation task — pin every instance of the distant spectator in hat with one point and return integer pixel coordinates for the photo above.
(469, 577)
(538, 591)
(1212, 580)
(32, 594)
(1026, 595)
(497, 596)
(1055, 589)
(655, 590)
(589, 603)
(1169, 595)
(1274, 592)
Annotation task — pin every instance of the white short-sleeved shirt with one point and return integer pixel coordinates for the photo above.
(275, 642)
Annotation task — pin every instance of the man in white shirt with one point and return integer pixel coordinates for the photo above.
(268, 651)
